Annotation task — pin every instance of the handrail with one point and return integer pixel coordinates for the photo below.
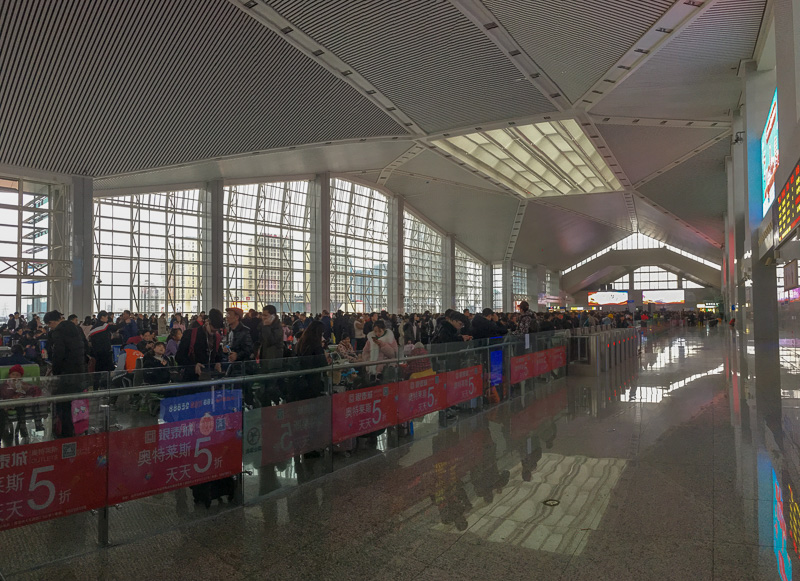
(237, 379)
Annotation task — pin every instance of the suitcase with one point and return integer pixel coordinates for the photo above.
(214, 490)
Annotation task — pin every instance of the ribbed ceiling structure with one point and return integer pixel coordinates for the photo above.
(142, 94)
(96, 88)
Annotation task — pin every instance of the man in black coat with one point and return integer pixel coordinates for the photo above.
(65, 346)
(483, 327)
(200, 347)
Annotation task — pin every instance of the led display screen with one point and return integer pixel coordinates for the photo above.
(608, 298)
(663, 297)
(788, 213)
(769, 155)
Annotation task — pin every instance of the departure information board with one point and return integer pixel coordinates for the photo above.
(788, 213)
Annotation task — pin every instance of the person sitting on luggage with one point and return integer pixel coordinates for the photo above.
(15, 388)
(418, 365)
(345, 349)
(156, 365)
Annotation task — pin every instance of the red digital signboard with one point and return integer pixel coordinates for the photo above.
(788, 211)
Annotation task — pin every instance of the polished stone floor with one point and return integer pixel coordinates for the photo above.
(664, 468)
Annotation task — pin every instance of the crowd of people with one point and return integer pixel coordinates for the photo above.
(203, 345)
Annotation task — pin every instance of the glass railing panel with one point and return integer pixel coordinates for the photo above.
(53, 466)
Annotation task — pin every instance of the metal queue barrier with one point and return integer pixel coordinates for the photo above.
(595, 350)
(142, 449)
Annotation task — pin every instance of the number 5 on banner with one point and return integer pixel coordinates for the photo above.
(205, 451)
(375, 408)
(33, 485)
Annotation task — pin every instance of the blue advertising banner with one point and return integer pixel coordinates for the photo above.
(197, 405)
(496, 368)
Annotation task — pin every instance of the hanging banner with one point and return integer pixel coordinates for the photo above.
(418, 397)
(534, 364)
(49, 480)
(362, 411)
(464, 384)
(521, 367)
(156, 459)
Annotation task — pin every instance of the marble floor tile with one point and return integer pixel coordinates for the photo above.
(614, 556)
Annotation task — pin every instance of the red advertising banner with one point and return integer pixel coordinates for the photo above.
(277, 433)
(556, 358)
(156, 459)
(49, 480)
(540, 363)
(521, 367)
(534, 364)
(464, 384)
(362, 411)
(418, 397)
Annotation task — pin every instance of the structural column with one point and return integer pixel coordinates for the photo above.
(212, 243)
(449, 272)
(508, 290)
(73, 293)
(488, 286)
(396, 274)
(320, 193)
(758, 90)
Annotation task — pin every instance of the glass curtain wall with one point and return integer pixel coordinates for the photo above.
(359, 247)
(519, 286)
(267, 246)
(497, 287)
(469, 282)
(149, 252)
(27, 266)
(423, 266)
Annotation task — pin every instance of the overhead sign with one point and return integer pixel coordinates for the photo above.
(663, 297)
(608, 298)
(788, 212)
(769, 155)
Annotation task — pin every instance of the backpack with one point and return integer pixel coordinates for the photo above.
(193, 340)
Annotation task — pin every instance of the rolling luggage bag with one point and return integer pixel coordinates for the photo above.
(214, 490)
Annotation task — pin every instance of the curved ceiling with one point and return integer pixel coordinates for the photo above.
(140, 94)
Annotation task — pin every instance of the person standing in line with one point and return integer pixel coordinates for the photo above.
(66, 349)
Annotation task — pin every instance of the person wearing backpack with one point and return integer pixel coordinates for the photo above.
(199, 348)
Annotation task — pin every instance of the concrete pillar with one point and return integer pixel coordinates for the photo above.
(508, 293)
(320, 198)
(73, 207)
(448, 272)
(740, 222)
(487, 286)
(758, 90)
(396, 274)
(213, 247)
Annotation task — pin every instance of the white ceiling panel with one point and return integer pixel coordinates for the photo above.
(609, 208)
(430, 163)
(480, 220)
(694, 75)
(576, 41)
(337, 158)
(99, 88)
(644, 150)
(560, 239)
(660, 226)
(425, 56)
(696, 190)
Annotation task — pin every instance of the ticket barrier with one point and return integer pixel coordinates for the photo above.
(598, 352)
